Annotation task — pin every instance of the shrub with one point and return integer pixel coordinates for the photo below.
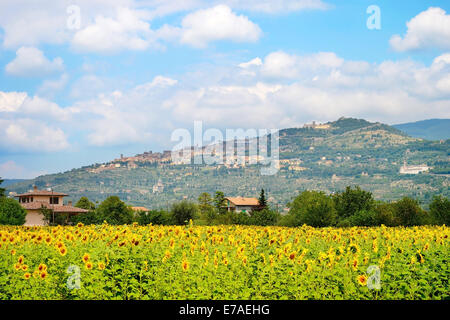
(11, 212)
(155, 217)
(264, 217)
(351, 201)
(313, 208)
(114, 211)
(408, 212)
(440, 210)
(184, 211)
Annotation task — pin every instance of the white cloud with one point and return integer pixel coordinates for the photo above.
(25, 135)
(106, 35)
(51, 86)
(31, 124)
(429, 29)
(213, 24)
(31, 62)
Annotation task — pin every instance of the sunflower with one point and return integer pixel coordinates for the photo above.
(13, 252)
(27, 275)
(292, 256)
(24, 267)
(42, 267)
(86, 257)
(101, 266)
(88, 265)
(17, 266)
(185, 265)
(355, 264)
(362, 279)
(43, 275)
(20, 260)
(63, 251)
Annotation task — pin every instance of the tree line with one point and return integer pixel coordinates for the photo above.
(350, 207)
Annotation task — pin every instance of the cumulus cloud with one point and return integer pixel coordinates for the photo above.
(429, 29)
(126, 31)
(213, 24)
(31, 123)
(31, 62)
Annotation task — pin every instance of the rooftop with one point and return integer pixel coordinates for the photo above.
(242, 201)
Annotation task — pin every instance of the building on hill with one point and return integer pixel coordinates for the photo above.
(405, 169)
(35, 199)
(241, 204)
(137, 209)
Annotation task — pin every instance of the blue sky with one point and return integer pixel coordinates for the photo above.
(131, 72)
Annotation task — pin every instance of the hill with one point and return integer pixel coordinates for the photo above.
(433, 129)
(324, 157)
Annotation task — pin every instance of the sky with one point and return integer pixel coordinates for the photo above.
(83, 81)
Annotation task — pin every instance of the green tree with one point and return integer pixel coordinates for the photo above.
(352, 200)
(313, 208)
(184, 211)
(220, 202)
(264, 217)
(11, 212)
(205, 207)
(155, 217)
(2, 190)
(54, 219)
(408, 212)
(440, 210)
(262, 200)
(84, 203)
(114, 211)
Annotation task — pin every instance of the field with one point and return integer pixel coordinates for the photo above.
(223, 262)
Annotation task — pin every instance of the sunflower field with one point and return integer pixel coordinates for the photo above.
(223, 262)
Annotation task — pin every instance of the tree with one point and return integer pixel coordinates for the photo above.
(440, 210)
(155, 217)
(220, 202)
(262, 200)
(350, 201)
(408, 212)
(313, 208)
(84, 203)
(11, 212)
(206, 208)
(114, 211)
(54, 219)
(2, 190)
(184, 211)
(263, 217)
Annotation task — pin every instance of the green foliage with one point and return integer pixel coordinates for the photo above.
(84, 203)
(313, 208)
(408, 212)
(220, 202)
(11, 212)
(155, 217)
(114, 211)
(440, 210)
(262, 200)
(184, 211)
(264, 217)
(351, 201)
(54, 219)
(206, 209)
(2, 190)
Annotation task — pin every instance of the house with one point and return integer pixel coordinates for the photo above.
(33, 201)
(137, 209)
(241, 204)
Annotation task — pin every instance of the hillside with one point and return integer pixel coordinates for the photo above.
(326, 157)
(433, 129)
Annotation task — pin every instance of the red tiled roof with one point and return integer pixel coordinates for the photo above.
(140, 209)
(55, 208)
(241, 201)
(41, 193)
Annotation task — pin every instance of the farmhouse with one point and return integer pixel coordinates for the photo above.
(241, 204)
(35, 199)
